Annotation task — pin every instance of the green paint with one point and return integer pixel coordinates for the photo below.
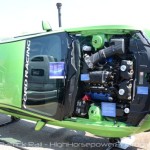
(11, 73)
(95, 113)
(11, 79)
(99, 128)
(98, 41)
(107, 29)
(39, 125)
(46, 26)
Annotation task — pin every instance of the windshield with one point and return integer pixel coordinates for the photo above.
(45, 73)
(50, 45)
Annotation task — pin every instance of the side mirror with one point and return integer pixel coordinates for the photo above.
(46, 26)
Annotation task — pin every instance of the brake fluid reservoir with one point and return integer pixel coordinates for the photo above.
(95, 113)
(98, 41)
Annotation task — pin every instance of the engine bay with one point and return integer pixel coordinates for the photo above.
(113, 79)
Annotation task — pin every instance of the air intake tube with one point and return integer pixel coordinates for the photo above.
(117, 48)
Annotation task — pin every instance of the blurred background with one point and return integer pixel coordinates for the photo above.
(25, 16)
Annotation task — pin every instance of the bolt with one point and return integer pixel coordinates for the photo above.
(123, 68)
(121, 92)
(126, 110)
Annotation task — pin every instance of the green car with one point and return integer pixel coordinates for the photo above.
(94, 79)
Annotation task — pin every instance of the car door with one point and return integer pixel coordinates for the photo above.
(44, 74)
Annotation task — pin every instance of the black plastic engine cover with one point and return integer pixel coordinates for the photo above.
(99, 77)
(82, 108)
(125, 89)
(126, 69)
(141, 101)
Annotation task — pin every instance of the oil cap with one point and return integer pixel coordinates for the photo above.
(98, 41)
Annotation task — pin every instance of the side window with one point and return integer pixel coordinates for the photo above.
(46, 74)
(50, 46)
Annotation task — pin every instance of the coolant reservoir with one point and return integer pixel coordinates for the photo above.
(98, 41)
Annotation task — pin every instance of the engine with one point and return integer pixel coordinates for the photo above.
(106, 81)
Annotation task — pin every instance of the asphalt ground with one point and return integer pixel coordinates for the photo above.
(21, 134)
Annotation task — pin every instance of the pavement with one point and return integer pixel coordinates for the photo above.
(21, 134)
